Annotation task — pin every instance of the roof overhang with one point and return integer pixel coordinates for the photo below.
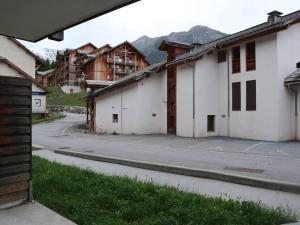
(34, 20)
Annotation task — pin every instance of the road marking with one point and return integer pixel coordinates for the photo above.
(252, 146)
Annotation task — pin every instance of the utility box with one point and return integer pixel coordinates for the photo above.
(15, 141)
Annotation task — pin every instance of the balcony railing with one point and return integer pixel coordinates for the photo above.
(120, 61)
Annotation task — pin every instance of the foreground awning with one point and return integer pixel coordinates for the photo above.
(34, 20)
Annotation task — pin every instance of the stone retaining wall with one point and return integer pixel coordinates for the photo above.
(66, 108)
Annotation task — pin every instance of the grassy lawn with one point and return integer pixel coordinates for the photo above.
(91, 199)
(57, 97)
(35, 148)
(48, 119)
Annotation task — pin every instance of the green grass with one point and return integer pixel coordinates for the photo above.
(91, 199)
(57, 97)
(48, 118)
(35, 148)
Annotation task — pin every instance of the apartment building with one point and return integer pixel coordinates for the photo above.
(67, 74)
(108, 64)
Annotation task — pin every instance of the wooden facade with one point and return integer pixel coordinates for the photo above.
(15, 141)
(67, 72)
(109, 64)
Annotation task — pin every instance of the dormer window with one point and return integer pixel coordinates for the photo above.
(250, 56)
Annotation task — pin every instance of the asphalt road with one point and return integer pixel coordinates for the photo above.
(271, 160)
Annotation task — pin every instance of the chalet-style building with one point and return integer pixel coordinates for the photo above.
(46, 78)
(18, 61)
(68, 75)
(108, 64)
(245, 85)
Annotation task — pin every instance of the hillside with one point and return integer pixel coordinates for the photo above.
(198, 34)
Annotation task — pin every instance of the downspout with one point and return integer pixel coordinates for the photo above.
(194, 120)
(228, 95)
(121, 111)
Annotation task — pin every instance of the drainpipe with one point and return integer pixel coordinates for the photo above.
(228, 96)
(121, 111)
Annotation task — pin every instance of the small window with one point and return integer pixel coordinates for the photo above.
(211, 123)
(236, 96)
(250, 56)
(251, 95)
(236, 60)
(115, 118)
(222, 56)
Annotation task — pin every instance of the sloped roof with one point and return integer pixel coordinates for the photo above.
(178, 44)
(115, 47)
(12, 65)
(44, 73)
(261, 29)
(130, 79)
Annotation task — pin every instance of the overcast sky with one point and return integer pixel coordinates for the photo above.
(161, 17)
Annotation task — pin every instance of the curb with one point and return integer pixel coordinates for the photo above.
(210, 174)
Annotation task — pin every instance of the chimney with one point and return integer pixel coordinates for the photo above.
(298, 65)
(274, 17)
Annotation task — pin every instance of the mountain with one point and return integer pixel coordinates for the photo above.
(198, 34)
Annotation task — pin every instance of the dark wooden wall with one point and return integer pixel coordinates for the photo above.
(15, 140)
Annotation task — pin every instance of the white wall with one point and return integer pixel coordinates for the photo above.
(184, 101)
(17, 55)
(38, 99)
(288, 55)
(140, 107)
(261, 124)
(298, 119)
(207, 94)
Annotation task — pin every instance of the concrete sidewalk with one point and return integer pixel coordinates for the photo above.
(204, 186)
(32, 214)
(194, 172)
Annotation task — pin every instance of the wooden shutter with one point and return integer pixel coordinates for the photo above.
(236, 96)
(236, 60)
(250, 56)
(251, 95)
(15, 140)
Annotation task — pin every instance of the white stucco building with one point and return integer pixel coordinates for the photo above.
(235, 86)
(17, 61)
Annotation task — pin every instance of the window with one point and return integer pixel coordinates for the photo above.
(222, 56)
(115, 118)
(211, 123)
(250, 56)
(251, 95)
(236, 60)
(236, 96)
